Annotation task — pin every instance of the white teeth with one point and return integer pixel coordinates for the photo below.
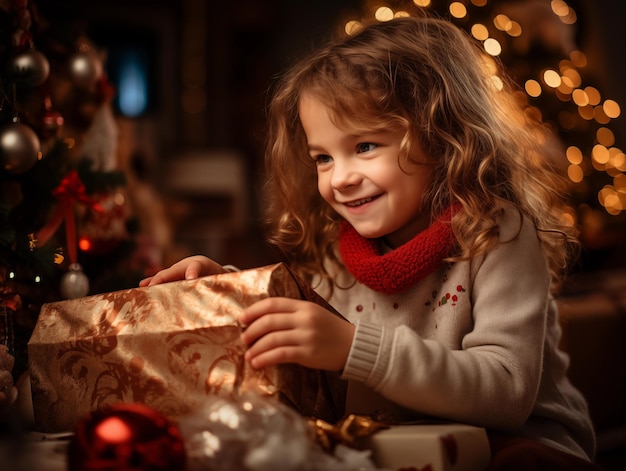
(360, 202)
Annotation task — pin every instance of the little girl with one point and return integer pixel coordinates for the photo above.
(409, 186)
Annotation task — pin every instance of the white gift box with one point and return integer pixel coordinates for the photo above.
(432, 447)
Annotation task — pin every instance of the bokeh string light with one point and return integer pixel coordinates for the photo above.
(563, 80)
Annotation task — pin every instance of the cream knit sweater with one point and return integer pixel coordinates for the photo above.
(474, 342)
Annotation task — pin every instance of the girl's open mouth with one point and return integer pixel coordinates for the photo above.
(354, 204)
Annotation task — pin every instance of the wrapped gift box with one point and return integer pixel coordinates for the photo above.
(167, 346)
(432, 447)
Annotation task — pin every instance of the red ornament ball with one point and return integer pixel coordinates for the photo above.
(126, 437)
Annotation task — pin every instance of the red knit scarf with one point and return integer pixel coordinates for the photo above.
(398, 270)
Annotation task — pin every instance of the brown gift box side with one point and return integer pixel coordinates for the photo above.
(168, 346)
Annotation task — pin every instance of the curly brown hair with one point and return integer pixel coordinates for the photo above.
(430, 78)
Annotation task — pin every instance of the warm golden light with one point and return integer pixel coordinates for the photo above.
(565, 64)
(613, 204)
(600, 116)
(458, 10)
(579, 59)
(586, 112)
(573, 77)
(570, 18)
(533, 113)
(352, 27)
(533, 88)
(618, 163)
(580, 97)
(605, 137)
(618, 159)
(552, 78)
(559, 7)
(514, 29)
(600, 154)
(480, 32)
(501, 22)
(574, 155)
(384, 14)
(562, 96)
(568, 219)
(492, 47)
(119, 199)
(567, 82)
(603, 193)
(611, 171)
(422, 3)
(575, 173)
(497, 82)
(565, 88)
(611, 109)
(600, 167)
(491, 66)
(594, 95)
(479, 3)
(401, 14)
(610, 199)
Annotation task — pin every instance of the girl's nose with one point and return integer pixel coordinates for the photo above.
(345, 175)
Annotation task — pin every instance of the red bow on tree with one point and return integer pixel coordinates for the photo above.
(70, 191)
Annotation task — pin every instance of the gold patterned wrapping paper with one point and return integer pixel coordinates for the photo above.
(168, 346)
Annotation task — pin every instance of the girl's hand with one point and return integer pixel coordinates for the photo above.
(188, 268)
(285, 330)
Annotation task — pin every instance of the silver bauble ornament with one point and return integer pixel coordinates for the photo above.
(28, 68)
(74, 284)
(19, 148)
(85, 68)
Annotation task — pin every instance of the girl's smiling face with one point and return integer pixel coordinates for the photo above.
(359, 175)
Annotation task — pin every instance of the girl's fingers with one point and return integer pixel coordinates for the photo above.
(188, 268)
(275, 356)
(267, 306)
(266, 324)
(276, 347)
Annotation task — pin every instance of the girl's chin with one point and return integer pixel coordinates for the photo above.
(369, 233)
(392, 239)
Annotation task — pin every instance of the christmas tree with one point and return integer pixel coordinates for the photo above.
(66, 229)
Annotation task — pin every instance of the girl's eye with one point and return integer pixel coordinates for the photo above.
(323, 159)
(365, 147)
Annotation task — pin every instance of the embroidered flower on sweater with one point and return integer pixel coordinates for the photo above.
(452, 298)
(446, 298)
